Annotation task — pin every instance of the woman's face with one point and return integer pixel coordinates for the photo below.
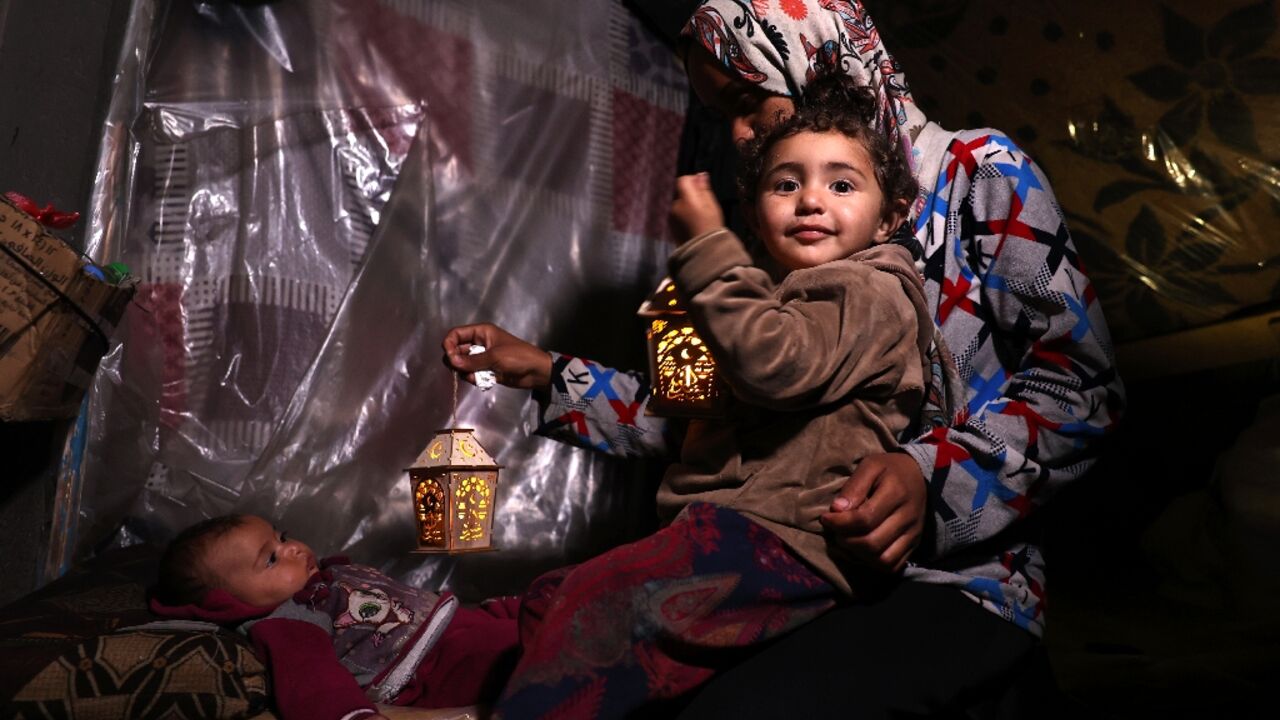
(749, 109)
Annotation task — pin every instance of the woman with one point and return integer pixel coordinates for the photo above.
(1021, 338)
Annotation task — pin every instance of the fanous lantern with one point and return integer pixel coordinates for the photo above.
(681, 368)
(454, 484)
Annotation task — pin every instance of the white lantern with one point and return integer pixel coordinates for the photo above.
(685, 380)
(454, 484)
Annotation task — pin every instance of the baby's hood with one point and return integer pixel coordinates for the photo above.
(217, 606)
(220, 606)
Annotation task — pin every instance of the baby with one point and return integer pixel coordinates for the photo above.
(336, 637)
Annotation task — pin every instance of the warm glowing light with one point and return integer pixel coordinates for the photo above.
(681, 368)
(685, 369)
(471, 505)
(428, 499)
(454, 484)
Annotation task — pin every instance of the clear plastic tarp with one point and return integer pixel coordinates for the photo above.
(1154, 121)
(311, 195)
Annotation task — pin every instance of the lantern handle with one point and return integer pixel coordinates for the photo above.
(453, 416)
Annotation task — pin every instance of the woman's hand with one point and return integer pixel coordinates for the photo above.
(695, 210)
(878, 516)
(515, 362)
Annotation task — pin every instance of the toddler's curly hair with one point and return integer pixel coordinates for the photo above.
(833, 102)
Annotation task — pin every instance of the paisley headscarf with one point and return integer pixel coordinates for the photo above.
(780, 45)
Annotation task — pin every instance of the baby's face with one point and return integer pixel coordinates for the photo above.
(819, 200)
(258, 564)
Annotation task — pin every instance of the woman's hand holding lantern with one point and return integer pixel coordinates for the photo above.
(516, 363)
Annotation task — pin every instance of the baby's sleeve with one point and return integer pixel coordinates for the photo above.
(308, 681)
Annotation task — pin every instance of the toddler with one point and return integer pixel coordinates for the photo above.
(825, 355)
(336, 637)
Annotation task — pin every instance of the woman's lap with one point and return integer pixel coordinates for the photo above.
(917, 650)
(652, 619)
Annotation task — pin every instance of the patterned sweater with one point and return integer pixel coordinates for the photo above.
(1024, 388)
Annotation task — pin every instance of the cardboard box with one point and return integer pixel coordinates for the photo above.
(55, 320)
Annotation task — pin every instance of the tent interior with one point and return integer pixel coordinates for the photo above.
(311, 194)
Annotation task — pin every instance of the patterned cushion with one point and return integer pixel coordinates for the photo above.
(146, 674)
(70, 650)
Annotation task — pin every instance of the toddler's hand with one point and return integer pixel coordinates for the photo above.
(695, 210)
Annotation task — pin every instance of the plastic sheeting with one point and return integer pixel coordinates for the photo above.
(311, 194)
(1153, 120)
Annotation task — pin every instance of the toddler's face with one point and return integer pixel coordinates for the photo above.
(259, 564)
(819, 200)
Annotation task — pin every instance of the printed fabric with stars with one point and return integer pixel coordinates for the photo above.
(1032, 355)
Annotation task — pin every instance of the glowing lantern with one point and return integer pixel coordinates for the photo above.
(454, 484)
(681, 368)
